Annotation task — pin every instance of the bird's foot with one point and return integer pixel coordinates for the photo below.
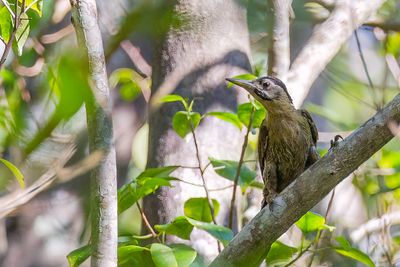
(269, 200)
(335, 141)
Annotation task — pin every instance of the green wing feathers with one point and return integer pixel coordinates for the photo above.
(313, 128)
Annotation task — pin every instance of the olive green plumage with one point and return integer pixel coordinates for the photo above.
(287, 138)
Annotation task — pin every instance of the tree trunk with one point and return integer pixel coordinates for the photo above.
(193, 61)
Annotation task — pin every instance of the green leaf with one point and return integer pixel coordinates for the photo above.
(356, 255)
(311, 222)
(127, 240)
(280, 253)
(179, 227)
(183, 121)
(16, 172)
(36, 5)
(5, 24)
(132, 255)
(173, 98)
(127, 79)
(228, 169)
(221, 233)
(199, 209)
(256, 184)
(393, 44)
(129, 92)
(228, 117)
(158, 172)
(343, 242)
(146, 183)
(182, 227)
(244, 113)
(184, 254)
(347, 250)
(78, 256)
(163, 256)
(22, 33)
(246, 76)
(132, 192)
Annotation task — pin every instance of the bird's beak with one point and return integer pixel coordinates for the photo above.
(248, 85)
(251, 88)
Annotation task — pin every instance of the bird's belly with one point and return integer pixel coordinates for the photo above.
(289, 156)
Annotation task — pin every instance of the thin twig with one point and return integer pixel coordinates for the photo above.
(204, 180)
(317, 239)
(202, 176)
(200, 185)
(235, 183)
(299, 255)
(146, 223)
(189, 167)
(336, 85)
(364, 63)
(330, 203)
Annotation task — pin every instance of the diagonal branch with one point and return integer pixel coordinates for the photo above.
(249, 246)
(325, 42)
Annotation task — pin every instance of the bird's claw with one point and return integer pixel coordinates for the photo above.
(335, 141)
(269, 200)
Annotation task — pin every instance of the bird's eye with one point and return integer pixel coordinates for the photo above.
(266, 84)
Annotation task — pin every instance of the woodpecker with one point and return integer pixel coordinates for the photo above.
(287, 137)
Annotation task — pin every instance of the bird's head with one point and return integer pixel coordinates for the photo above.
(269, 91)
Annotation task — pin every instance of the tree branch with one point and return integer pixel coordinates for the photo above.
(375, 225)
(103, 184)
(279, 49)
(325, 42)
(248, 248)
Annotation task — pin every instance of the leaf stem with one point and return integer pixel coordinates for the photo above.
(146, 222)
(200, 185)
(298, 255)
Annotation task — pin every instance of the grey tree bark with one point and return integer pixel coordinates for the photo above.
(104, 224)
(279, 46)
(248, 248)
(193, 61)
